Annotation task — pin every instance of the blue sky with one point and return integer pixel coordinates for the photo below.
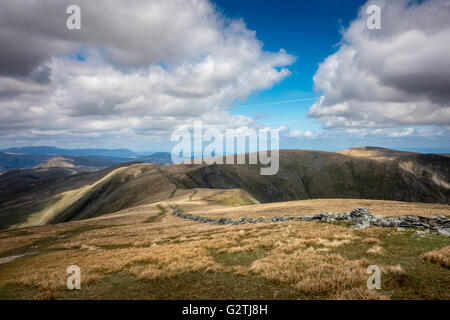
(309, 30)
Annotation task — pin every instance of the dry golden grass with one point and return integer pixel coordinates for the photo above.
(375, 249)
(293, 255)
(233, 197)
(312, 273)
(395, 269)
(25, 238)
(441, 257)
(299, 255)
(173, 247)
(372, 241)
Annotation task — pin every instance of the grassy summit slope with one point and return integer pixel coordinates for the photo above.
(146, 253)
(375, 153)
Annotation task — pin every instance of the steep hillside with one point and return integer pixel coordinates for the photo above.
(122, 188)
(84, 196)
(26, 191)
(314, 174)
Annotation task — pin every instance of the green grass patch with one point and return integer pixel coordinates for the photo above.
(235, 201)
(158, 217)
(195, 286)
(178, 208)
(421, 279)
(243, 258)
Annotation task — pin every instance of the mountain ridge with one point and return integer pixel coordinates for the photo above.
(302, 175)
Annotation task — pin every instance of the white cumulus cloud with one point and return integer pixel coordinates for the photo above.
(135, 69)
(398, 76)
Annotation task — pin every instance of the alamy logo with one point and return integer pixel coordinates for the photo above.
(225, 145)
(74, 280)
(73, 22)
(374, 281)
(374, 20)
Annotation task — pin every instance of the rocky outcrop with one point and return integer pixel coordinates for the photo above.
(361, 217)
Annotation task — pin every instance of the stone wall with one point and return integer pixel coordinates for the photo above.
(361, 217)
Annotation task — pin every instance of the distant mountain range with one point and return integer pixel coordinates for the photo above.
(106, 153)
(10, 161)
(30, 157)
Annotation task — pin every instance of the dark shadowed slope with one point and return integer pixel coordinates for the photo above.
(314, 174)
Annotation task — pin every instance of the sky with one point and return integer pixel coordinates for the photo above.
(137, 71)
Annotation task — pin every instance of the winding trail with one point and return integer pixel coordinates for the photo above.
(12, 258)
